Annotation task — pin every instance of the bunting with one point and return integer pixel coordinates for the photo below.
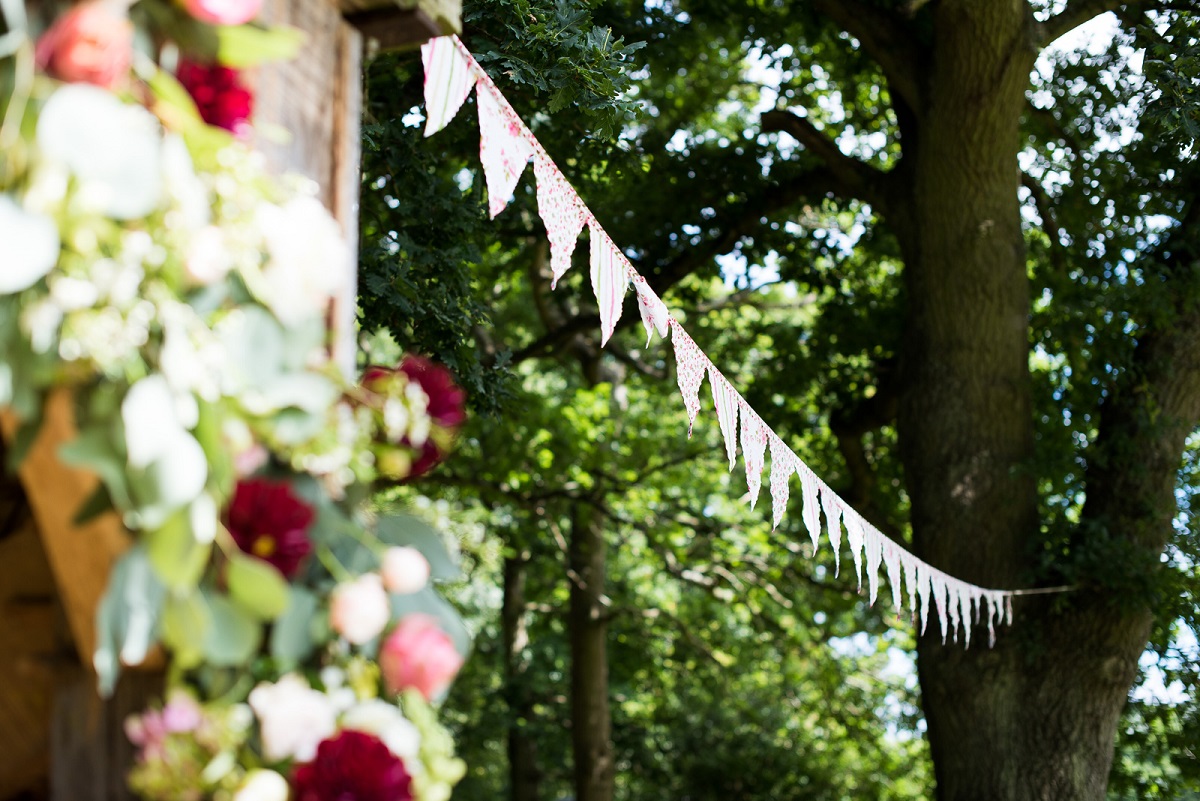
(506, 146)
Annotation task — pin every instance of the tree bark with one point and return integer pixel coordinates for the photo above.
(524, 776)
(1035, 717)
(590, 719)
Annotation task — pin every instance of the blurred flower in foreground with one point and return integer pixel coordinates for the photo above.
(420, 655)
(220, 96)
(353, 766)
(268, 521)
(422, 410)
(223, 12)
(91, 43)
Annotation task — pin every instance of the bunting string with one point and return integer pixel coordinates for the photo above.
(506, 146)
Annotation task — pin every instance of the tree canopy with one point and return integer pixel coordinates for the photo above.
(951, 258)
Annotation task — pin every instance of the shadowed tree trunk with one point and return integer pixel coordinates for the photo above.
(524, 776)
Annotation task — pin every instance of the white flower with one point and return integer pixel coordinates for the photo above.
(112, 148)
(262, 785)
(72, 294)
(31, 246)
(388, 723)
(208, 259)
(308, 259)
(40, 321)
(155, 439)
(188, 191)
(293, 718)
(359, 609)
(405, 570)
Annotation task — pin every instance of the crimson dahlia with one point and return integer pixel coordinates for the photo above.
(268, 521)
(352, 766)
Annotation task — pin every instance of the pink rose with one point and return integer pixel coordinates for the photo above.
(91, 43)
(223, 12)
(359, 609)
(405, 570)
(419, 654)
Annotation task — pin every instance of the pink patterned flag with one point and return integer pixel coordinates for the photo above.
(754, 446)
(891, 560)
(725, 401)
(610, 279)
(854, 539)
(503, 148)
(923, 591)
(448, 81)
(654, 312)
(562, 212)
(783, 464)
(937, 580)
(689, 372)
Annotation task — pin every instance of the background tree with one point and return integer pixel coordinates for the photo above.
(997, 350)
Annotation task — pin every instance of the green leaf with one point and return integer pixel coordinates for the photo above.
(292, 635)
(99, 502)
(127, 617)
(178, 559)
(185, 625)
(175, 106)
(235, 635)
(402, 529)
(257, 587)
(94, 449)
(242, 46)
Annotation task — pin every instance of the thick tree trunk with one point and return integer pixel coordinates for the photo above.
(590, 720)
(524, 776)
(1035, 717)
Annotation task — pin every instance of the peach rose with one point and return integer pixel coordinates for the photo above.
(91, 43)
(359, 609)
(223, 12)
(420, 655)
(405, 570)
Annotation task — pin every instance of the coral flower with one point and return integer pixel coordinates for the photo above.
(223, 12)
(222, 99)
(91, 43)
(353, 766)
(420, 655)
(268, 521)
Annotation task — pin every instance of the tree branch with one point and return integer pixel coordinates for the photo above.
(855, 179)
(1076, 13)
(885, 37)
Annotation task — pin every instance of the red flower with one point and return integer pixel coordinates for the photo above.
(268, 521)
(353, 766)
(446, 407)
(219, 94)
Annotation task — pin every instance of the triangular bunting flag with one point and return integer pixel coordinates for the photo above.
(924, 591)
(610, 279)
(854, 538)
(725, 401)
(783, 464)
(503, 148)
(812, 506)
(909, 563)
(754, 446)
(833, 524)
(891, 560)
(655, 316)
(448, 81)
(954, 591)
(937, 580)
(562, 212)
(874, 554)
(689, 373)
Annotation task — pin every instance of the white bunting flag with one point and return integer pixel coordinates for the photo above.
(891, 561)
(924, 591)
(954, 607)
(909, 563)
(725, 401)
(831, 505)
(610, 279)
(754, 446)
(874, 548)
(812, 506)
(448, 80)
(562, 212)
(503, 148)
(783, 464)
(689, 372)
(854, 539)
(937, 580)
(655, 316)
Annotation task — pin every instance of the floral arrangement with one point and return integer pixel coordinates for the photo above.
(154, 268)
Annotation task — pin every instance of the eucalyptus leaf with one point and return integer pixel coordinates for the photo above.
(185, 625)
(402, 529)
(178, 559)
(234, 636)
(292, 635)
(127, 616)
(256, 586)
(95, 449)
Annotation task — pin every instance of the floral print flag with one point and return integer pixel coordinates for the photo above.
(503, 148)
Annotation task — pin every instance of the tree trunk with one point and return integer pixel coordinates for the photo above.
(524, 777)
(1035, 717)
(590, 720)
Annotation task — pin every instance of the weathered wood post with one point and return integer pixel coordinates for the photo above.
(58, 738)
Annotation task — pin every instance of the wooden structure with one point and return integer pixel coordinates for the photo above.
(58, 739)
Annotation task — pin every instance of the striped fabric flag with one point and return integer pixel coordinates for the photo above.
(448, 80)
(610, 279)
(832, 507)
